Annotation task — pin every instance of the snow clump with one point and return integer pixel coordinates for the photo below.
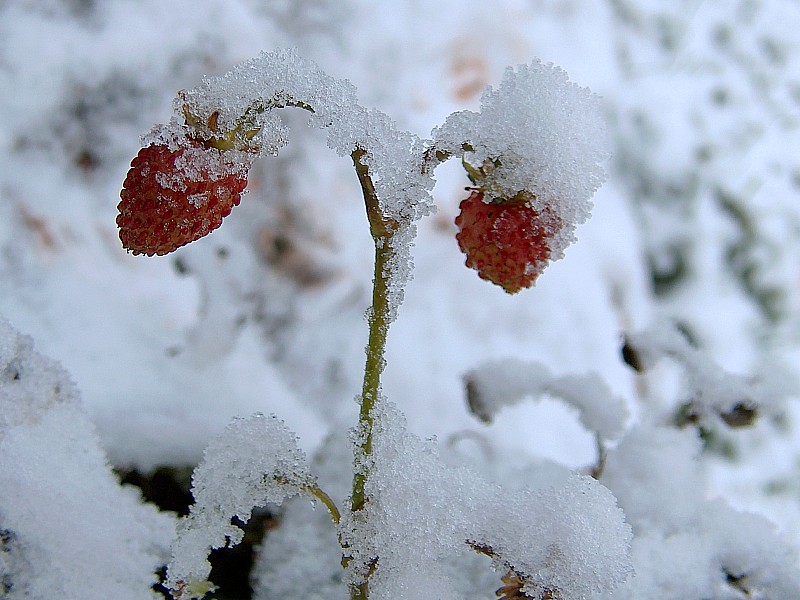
(496, 384)
(255, 461)
(685, 545)
(421, 514)
(541, 134)
(67, 528)
(714, 394)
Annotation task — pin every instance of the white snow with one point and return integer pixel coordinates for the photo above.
(570, 536)
(254, 462)
(696, 225)
(496, 384)
(66, 526)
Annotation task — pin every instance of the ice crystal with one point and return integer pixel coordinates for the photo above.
(240, 108)
(243, 102)
(686, 546)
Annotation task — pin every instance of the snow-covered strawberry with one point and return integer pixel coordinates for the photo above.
(171, 197)
(506, 241)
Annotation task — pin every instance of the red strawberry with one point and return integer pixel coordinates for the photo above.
(173, 197)
(507, 242)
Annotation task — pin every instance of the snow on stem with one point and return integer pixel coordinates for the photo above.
(382, 230)
(379, 318)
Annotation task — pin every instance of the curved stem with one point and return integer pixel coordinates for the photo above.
(382, 230)
(597, 470)
(379, 315)
(245, 126)
(320, 495)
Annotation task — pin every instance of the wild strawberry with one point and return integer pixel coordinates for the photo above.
(173, 197)
(507, 242)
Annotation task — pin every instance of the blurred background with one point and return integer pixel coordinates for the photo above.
(698, 223)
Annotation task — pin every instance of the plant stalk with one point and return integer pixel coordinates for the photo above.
(382, 230)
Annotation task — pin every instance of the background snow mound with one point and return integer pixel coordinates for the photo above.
(64, 519)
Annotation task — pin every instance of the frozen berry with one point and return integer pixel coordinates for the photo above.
(507, 241)
(173, 197)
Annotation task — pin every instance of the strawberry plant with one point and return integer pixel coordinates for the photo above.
(533, 154)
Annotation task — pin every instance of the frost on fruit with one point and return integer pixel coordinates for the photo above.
(422, 514)
(175, 195)
(250, 93)
(508, 242)
(67, 528)
(254, 462)
(537, 133)
(244, 102)
(240, 110)
(494, 385)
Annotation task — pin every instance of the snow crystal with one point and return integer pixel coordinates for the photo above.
(417, 512)
(240, 107)
(254, 462)
(421, 513)
(67, 528)
(544, 130)
(195, 162)
(685, 546)
(750, 551)
(543, 134)
(726, 554)
(199, 200)
(32, 384)
(669, 566)
(496, 384)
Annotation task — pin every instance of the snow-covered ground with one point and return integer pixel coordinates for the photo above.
(698, 224)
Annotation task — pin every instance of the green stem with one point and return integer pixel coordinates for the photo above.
(320, 495)
(246, 124)
(315, 491)
(382, 230)
(360, 593)
(370, 393)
